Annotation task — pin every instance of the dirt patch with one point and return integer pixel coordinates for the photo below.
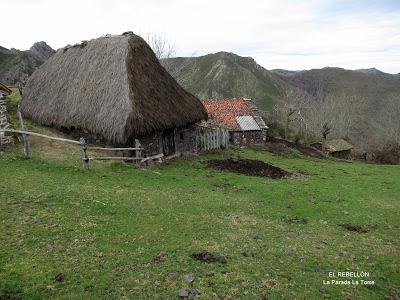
(282, 150)
(208, 257)
(285, 148)
(249, 167)
(295, 220)
(310, 151)
(358, 228)
(59, 277)
(159, 258)
(394, 294)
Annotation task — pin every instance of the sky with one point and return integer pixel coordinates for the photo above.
(293, 35)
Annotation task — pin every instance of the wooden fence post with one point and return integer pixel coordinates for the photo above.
(138, 153)
(85, 158)
(25, 137)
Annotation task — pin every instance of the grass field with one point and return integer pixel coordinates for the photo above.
(118, 232)
(102, 230)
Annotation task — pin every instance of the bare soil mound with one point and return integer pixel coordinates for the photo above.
(358, 228)
(285, 148)
(209, 257)
(249, 167)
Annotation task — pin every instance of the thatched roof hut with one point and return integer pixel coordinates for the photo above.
(337, 145)
(112, 86)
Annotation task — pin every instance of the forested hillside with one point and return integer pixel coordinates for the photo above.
(360, 106)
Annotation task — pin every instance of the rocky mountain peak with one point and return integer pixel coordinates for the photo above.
(41, 50)
(371, 71)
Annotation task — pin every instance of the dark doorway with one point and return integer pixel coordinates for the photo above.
(168, 142)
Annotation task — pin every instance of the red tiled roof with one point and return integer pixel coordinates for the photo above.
(226, 110)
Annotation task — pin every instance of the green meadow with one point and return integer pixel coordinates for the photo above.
(119, 232)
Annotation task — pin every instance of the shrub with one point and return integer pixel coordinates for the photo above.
(390, 154)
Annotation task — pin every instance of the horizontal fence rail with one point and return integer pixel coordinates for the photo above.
(137, 150)
(114, 149)
(41, 135)
(115, 158)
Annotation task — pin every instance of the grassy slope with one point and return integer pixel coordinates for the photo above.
(103, 229)
(226, 75)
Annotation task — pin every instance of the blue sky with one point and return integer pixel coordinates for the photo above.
(277, 34)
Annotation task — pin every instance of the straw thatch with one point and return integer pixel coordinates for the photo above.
(112, 86)
(337, 145)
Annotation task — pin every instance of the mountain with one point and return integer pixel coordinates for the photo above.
(41, 50)
(362, 105)
(373, 71)
(16, 66)
(227, 75)
(282, 72)
(369, 83)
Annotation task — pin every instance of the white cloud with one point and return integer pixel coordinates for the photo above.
(284, 34)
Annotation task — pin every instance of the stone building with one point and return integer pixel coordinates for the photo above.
(242, 119)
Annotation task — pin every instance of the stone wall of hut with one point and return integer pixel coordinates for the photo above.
(184, 140)
(345, 154)
(5, 138)
(152, 144)
(247, 138)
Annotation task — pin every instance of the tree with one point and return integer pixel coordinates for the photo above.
(326, 129)
(289, 112)
(387, 121)
(162, 47)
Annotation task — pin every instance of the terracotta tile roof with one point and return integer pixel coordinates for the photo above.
(226, 110)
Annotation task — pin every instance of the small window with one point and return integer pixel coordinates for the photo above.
(181, 135)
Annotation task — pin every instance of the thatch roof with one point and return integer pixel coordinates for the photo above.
(112, 86)
(6, 90)
(337, 145)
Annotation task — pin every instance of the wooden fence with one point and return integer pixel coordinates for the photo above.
(209, 138)
(136, 158)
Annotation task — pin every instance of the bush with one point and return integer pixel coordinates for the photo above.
(277, 130)
(390, 154)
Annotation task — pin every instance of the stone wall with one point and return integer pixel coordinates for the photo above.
(185, 142)
(152, 144)
(4, 124)
(247, 138)
(341, 154)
